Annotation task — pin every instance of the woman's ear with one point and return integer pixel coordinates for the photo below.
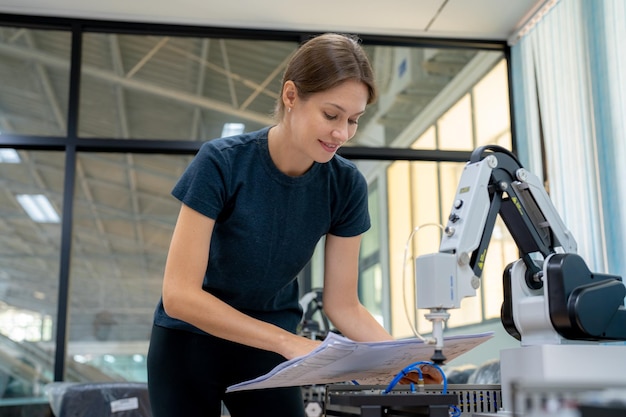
(290, 92)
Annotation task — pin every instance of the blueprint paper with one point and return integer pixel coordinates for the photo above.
(338, 359)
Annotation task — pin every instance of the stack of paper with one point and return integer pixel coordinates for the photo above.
(339, 359)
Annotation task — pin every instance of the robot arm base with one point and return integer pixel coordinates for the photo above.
(584, 305)
(578, 304)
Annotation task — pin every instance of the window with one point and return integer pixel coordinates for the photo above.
(123, 220)
(29, 268)
(147, 98)
(35, 73)
(173, 87)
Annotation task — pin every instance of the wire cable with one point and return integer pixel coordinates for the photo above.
(415, 367)
(455, 411)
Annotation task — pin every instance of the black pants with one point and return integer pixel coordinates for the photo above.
(188, 374)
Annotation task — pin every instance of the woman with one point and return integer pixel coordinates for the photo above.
(254, 206)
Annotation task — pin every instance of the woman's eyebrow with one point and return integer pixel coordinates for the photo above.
(344, 110)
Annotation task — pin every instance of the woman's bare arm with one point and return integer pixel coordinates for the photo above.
(340, 298)
(184, 298)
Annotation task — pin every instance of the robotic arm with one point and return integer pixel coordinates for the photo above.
(550, 294)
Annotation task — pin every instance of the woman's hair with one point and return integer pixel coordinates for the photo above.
(325, 61)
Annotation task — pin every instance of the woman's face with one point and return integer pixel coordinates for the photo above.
(326, 120)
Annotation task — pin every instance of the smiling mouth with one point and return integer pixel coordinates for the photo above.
(330, 147)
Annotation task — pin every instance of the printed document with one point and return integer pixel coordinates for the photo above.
(338, 359)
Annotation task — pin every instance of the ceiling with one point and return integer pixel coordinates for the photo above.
(475, 19)
(160, 87)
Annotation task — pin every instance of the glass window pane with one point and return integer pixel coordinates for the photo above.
(35, 73)
(161, 87)
(370, 244)
(401, 284)
(123, 220)
(29, 272)
(371, 291)
(428, 140)
(317, 265)
(425, 215)
(455, 127)
(491, 108)
(411, 81)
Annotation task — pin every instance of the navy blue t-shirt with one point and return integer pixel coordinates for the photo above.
(267, 223)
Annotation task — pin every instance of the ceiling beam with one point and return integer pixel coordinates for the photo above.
(137, 85)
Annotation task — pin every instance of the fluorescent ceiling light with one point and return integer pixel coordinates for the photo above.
(39, 208)
(9, 156)
(232, 129)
